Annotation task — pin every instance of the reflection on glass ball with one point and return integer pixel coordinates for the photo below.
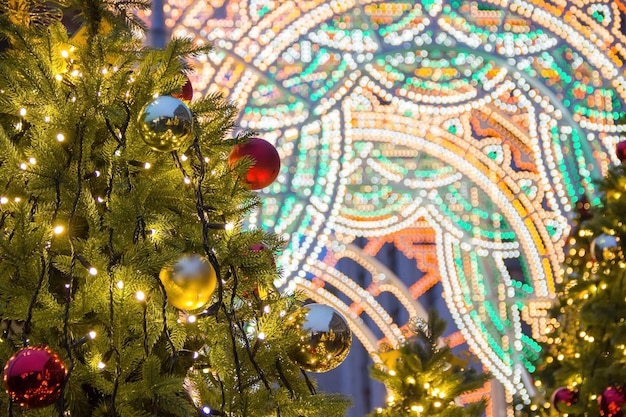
(324, 338)
(563, 398)
(606, 248)
(33, 377)
(611, 401)
(165, 123)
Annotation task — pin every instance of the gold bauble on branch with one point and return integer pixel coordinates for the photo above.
(165, 123)
(324, 338)
(190, 282)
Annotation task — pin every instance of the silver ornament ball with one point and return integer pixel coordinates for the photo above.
(324, 338)
(165, 123)
(606, 248)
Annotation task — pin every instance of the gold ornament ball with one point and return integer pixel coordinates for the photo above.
(324, 338)
(165, 123)
(190, 282)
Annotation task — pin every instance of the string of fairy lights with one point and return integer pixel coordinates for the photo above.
(482, 120)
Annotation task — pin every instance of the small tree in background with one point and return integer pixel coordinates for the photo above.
(423, 377)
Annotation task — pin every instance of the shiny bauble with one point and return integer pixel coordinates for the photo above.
(190, 282)
(324, 338)
(186, 91)
(261, 248)
(390, 358)
(563, 398)
(265, 162)
(606, 248)
(165, 123)
(33, 377)
(611, 401)
(620, 151)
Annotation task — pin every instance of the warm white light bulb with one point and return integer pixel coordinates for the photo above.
(92, 334)
(101, 365)
(58, 229)
(191, 319)
(147, 165)
(60, 137)
(141, 296)
(93, 271)
(120, 284)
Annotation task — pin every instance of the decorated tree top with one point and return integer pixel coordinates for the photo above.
(424, 377)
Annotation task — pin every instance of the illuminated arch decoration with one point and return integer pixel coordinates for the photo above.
(466, 129)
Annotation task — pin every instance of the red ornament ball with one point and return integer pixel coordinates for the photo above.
(611, 402)
(260, 248)
(563, 398)
(266, 162)
(186, 92)
(33, 377)
(620, 151)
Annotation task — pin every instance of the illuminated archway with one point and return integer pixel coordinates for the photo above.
(473, 125)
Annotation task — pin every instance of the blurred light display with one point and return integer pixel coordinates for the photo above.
(461, 132)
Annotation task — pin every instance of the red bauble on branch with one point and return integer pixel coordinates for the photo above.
(33, 377)
(563, 398)
(186, 92)
(266, 162)
(620, 151)
(261, 247)
(611, 402)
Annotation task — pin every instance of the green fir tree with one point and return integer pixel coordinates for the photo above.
(91, 216)
(424, 377)
(583, 367)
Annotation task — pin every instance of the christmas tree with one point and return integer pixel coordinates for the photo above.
(584, 362)
(129, 285)
(424, 377)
